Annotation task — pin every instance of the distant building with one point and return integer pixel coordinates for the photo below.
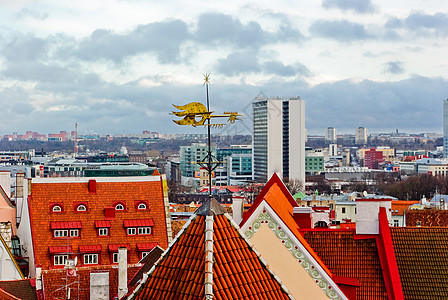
(314, 162)
(236, 166)
(361, 136)
(190, 156)
(373, 158)
(445, 128)
(330, 134)
(279, 138)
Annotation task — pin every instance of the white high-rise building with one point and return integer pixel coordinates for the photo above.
(361, 136)
(279, 138)
(330, 134)
(445, 128)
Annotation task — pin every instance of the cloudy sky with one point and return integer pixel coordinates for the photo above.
(116, 66)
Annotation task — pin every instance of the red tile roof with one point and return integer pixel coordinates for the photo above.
(21, 289)
(7, 296)
(108, 192)
(422, 260)
(238, 272)
(399, 206)
(138, 223)
(65, 225)
(350, 257)
(427, 218)
(60, 249)
(102, 224)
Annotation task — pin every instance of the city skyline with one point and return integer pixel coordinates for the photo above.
(116, 66)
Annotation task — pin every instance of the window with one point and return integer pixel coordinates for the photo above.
(141, 206)
(132, 231)
(74, 232)
(144, 230)
(81, 207)
(56, 208)
(103, 231)
(343, 210)
(59, 260)
(119, 206)
(144, 254)
(90, 259)
(115, 258)
(60, 233)
(396, 223)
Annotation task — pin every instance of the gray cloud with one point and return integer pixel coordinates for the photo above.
(21, 47)
(421, 24)
(359, 6)
(394, 67)
(341, 30)
(161, 38)
(26, 12)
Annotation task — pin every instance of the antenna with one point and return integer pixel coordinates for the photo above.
(76, 139)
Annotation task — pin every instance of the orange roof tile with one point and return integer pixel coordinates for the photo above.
(146, 246)
(400, 206)
(114, 247)
(90, 249)
(20, 289)
(427, 218)
(60, 249)
(238, 273)
(422, 261)
(350, 257)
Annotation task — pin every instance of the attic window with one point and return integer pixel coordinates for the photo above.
(81, 207)
(141, 206)
(56, 208)
(119, 206)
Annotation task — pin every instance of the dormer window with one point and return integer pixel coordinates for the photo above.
(119, 206)
(141, 206)
(81, 207)
(56, 208)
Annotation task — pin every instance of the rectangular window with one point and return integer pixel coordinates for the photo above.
(144, 230)
(132, 231)
(396, 223)
(60, 233)
(103, 231)
(90, 259)
(59, 260)
(115, 258)
(343, 210)
(74, 232)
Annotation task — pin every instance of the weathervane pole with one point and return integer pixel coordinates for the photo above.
(209, 163)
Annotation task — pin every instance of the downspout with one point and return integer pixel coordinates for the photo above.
(208, 280)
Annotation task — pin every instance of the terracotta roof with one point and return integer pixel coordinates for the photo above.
(238, 272)
(427, 218)
(21, 289)
(109, 191)
(138, 223)
(90, 249)
(400, 206)
(350, 257)
(176, 226)
(65, 225)
(422, 260)
(102, 224)
(148, 261)
(60, 249)
(7, 296)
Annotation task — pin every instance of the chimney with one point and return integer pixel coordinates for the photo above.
(303, 216)
(92, 186)
(5, 182)
(19, 184)
(109, 212)
(237, 209)
(122, 272)
(367, 220)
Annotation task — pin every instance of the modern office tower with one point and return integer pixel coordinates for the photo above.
(445, 128)
(190, 156)
(333, 150)
(361, 136)
(279, 138)
(330, 134)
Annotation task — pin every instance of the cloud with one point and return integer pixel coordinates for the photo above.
(163, 39)
(26, 12)
(421, 24)
(24, 47)
(341, 30)
(394, 67)
(220, 29)
(358, 6)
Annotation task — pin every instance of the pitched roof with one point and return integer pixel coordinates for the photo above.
(148, 262)
(421, 255)
(350, 257)
(22, 289)
(238, 272)
(7, 296)
(400, 206)
(427, 218)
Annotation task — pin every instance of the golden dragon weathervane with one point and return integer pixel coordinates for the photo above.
(196, 114)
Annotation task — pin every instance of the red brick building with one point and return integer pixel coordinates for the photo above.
(373, 158)
(89, 218)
